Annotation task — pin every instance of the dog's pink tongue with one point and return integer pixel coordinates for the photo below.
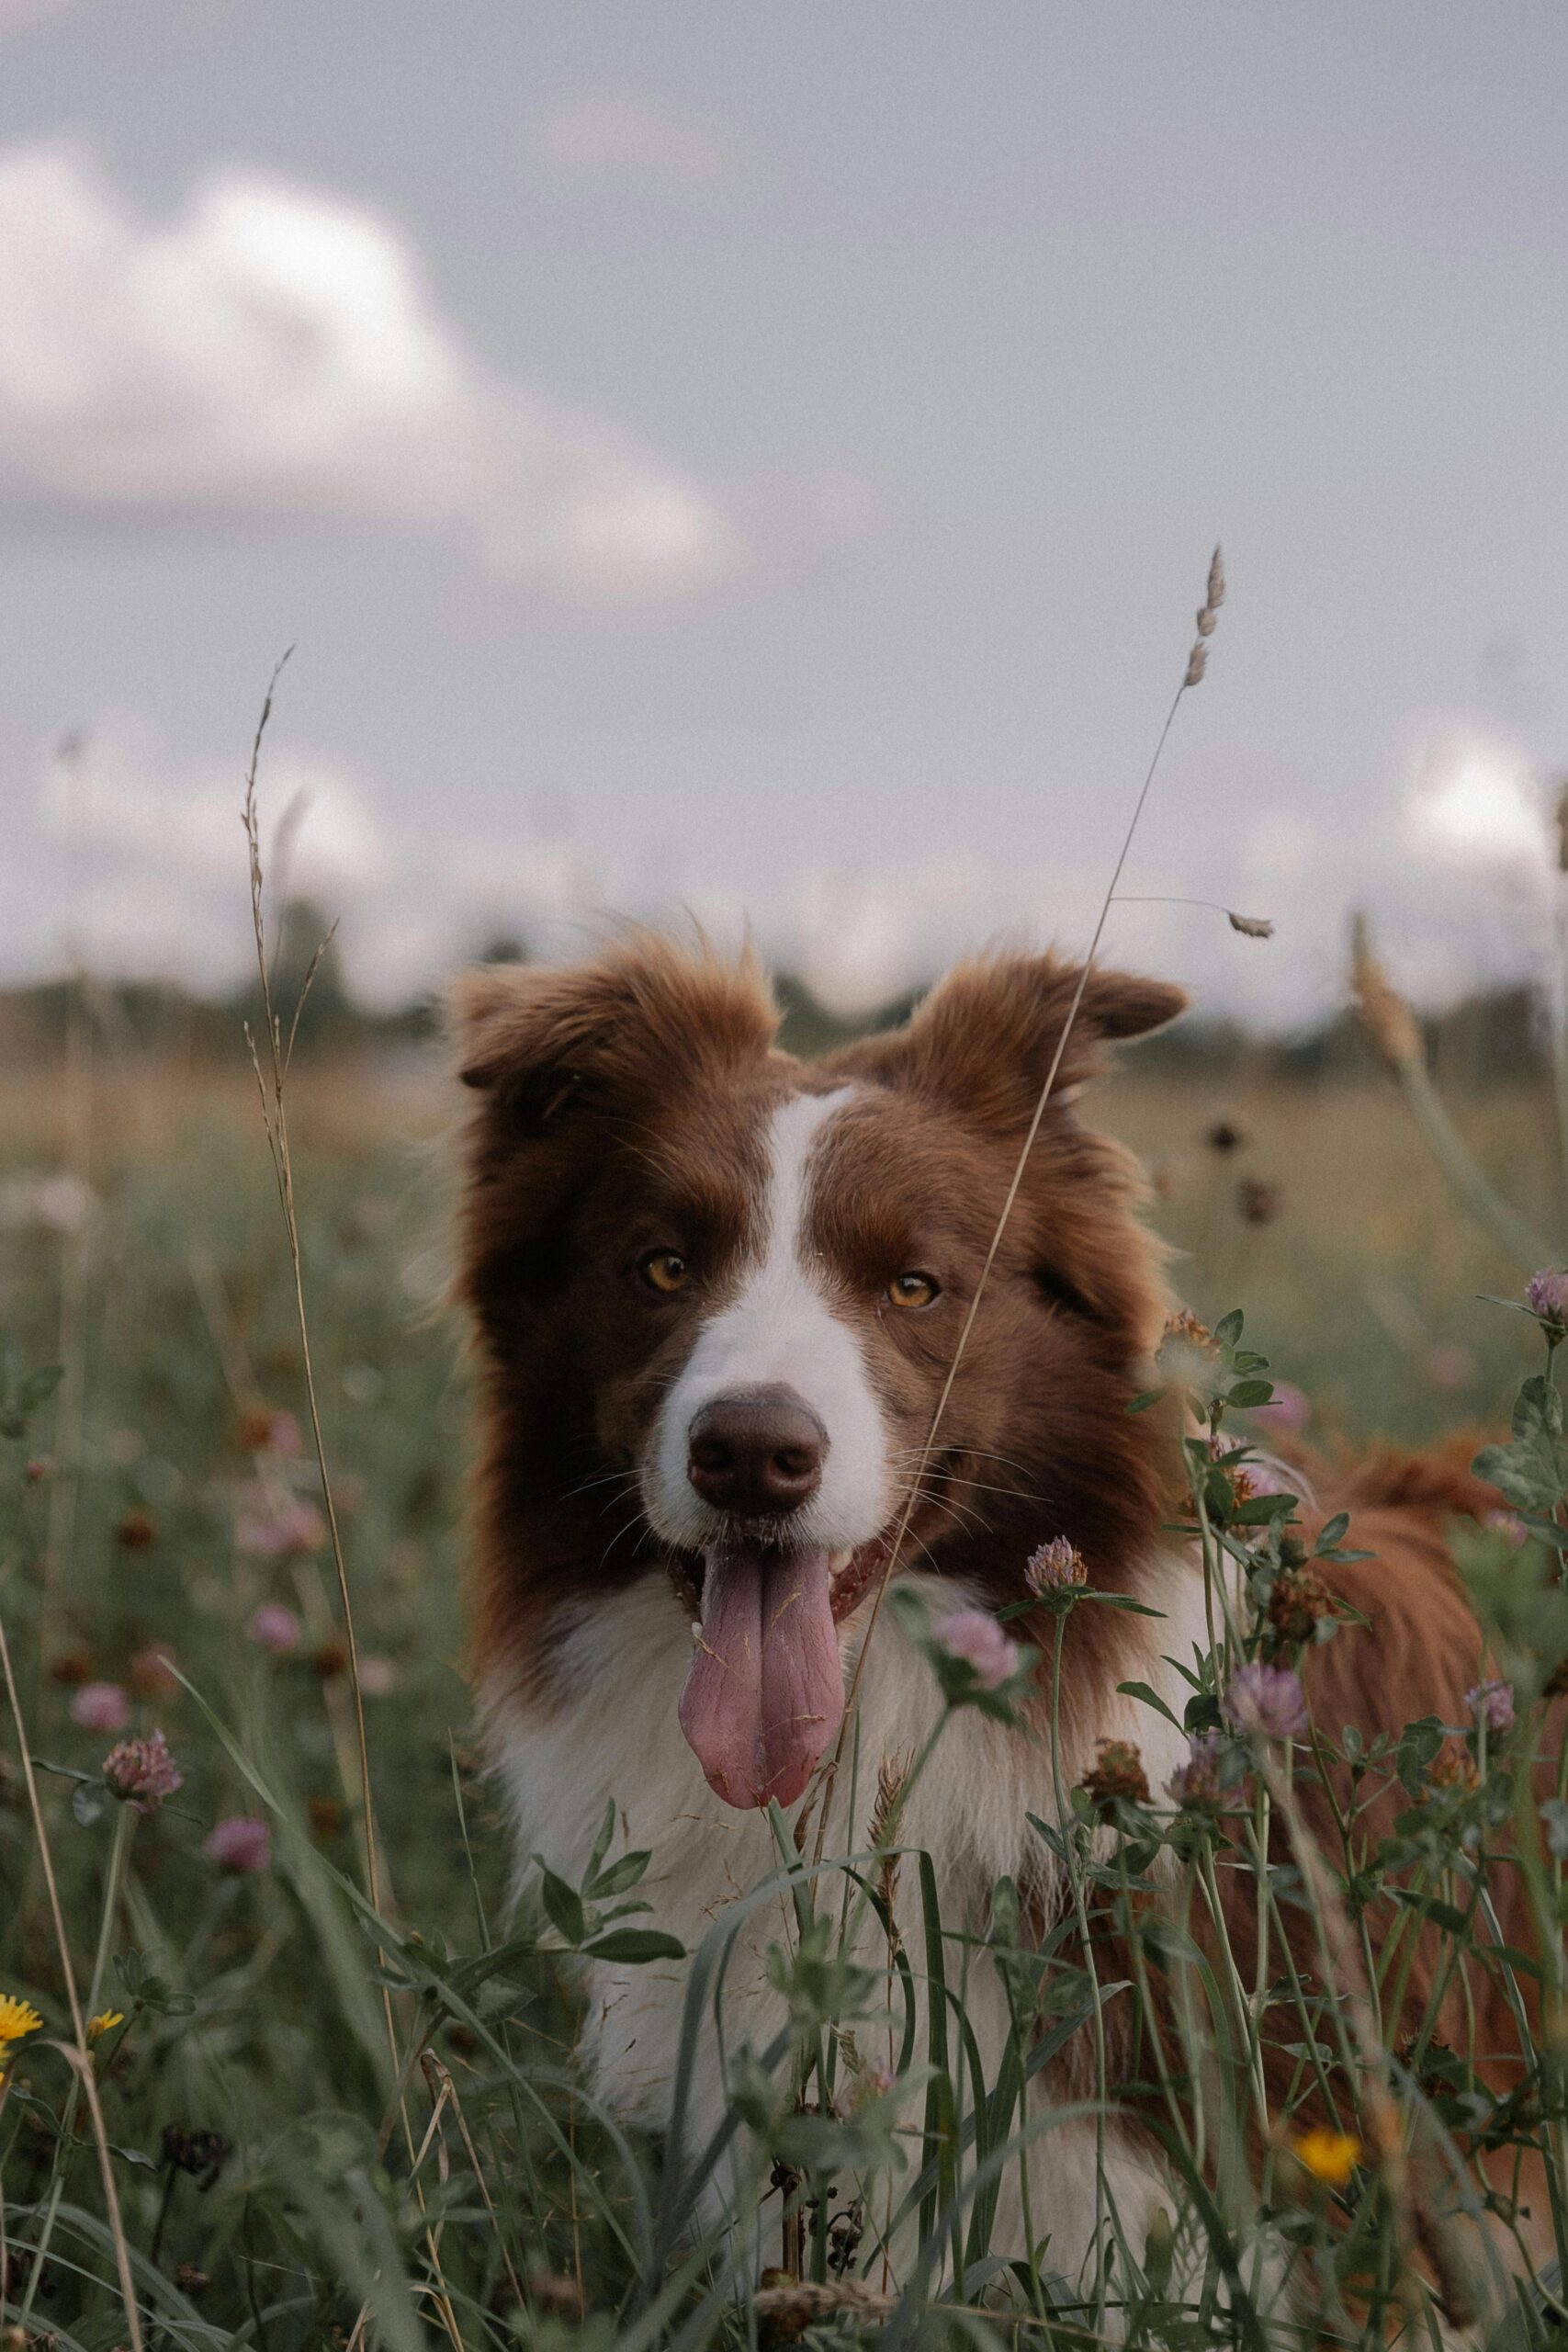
(766, 1689)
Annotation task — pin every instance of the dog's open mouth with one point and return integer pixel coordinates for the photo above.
(765, 1692)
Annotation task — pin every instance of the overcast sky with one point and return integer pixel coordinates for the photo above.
(764, 460)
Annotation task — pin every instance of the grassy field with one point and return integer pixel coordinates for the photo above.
(161, 1495)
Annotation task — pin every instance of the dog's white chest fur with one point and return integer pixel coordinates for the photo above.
(613, 1734)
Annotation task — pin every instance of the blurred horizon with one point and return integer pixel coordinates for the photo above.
(763, 467)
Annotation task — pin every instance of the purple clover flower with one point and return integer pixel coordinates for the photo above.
(1492, 1702)
(238, 1843)
(1268, 1701)
(1288, 1410)
(1198, 1782)
(1056, 1566)
(273, 1524)
(275, 1628)
(977, 1639)
(142, 1772)
(1545, 1296)
(101, 1706)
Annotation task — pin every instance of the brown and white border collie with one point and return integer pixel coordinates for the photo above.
(716, 1292)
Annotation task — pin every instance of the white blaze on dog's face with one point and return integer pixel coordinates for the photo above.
(770, 1457)
(727, 1290)
(780, 1331)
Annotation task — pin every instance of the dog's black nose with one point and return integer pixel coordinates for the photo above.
(758, 1453)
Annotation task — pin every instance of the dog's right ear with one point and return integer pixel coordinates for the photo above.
(537, 1040)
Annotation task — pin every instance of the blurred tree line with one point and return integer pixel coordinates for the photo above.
(1498, 1036)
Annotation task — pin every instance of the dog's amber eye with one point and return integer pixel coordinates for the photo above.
(664, 1270)
(912, 1290)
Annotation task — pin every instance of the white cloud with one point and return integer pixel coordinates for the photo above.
(273, 347)
(112, 807)
(619, 135)
(1475, 801)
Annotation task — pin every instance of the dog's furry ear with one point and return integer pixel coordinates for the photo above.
(987, 1036)
(534, 1038)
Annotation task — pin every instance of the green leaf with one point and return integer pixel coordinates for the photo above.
(1533, 1470)
(1332, 1531)
(1150, 1699)
(1150, 1398)
(563, 1906)
(601, 1843)
(1227, 1330)
(1246, 1394)
(635, 1944)
(88, 1803)
(1258, 1510)
(620, 1876)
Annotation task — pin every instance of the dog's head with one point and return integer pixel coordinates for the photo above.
(721, 1295)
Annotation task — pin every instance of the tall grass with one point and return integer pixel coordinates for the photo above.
(249, 2101)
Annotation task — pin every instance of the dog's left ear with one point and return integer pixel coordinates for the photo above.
(985, 1037)
(535, 1040)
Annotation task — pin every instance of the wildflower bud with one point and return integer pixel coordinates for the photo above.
(1387, 1022)
(268, 1429)
(1197, 1785)
(1256, 1203)
(1222, 1451)
(1214, 595)
(1266, 1701)
(1118, 1776)
(136, 1530)
(1224, 1135)
(1452, 1767)
(1545, 1296)
(1289, 1409)
(1056, 1566)
(1206, 623)
(101, 1706)
(275, 1628)
(553, 2292)
(1184, 1334)
(40, 1468)
(150, 1671)
(1494, 1703)
(272, 1523)
(1330, 2157)
(1197, 663)
(17, 2019)
(104, 2022)
(976, 1638)
(238, 1843)
(198, 2152)
(71, 1668)
(142, 1772)
(1297, 1605)
(1250, 926)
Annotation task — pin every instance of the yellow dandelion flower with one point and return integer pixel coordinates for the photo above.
(104, 2022)
(16, 2017)
(1329, 2156)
